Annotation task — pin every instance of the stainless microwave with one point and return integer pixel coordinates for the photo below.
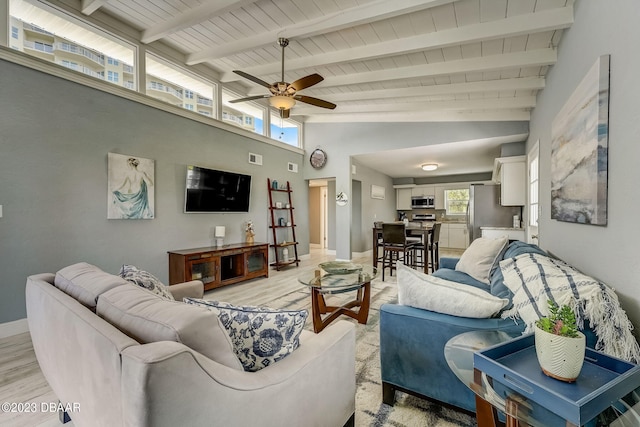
(423, 202)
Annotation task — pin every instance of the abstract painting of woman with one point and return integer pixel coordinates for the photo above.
(130, 179)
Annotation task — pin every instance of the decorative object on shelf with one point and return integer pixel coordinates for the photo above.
(560, 347)
(249, 232)
(274, 184)
(285, 254)
(278, 205)
(219, 235)
(318, 158)
(130, 187)
(579, 151)
(342, 199)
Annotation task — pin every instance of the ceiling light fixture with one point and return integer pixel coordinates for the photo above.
(429, 167)
(282, 102)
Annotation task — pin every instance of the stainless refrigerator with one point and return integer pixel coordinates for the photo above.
(484, 210)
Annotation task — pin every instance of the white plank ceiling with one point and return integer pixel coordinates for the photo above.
(400, 60)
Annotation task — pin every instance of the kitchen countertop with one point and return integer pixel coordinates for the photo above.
(502, 228)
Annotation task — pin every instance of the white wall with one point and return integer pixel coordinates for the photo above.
(609, 253)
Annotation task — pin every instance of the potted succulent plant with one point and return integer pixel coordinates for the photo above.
(560, 347)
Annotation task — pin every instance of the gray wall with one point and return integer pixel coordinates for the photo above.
(609, 253)
(54, 140)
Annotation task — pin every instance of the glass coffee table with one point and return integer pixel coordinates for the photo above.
(343, 277)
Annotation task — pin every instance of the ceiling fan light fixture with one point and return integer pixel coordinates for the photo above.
(282, 102)
(429, 167)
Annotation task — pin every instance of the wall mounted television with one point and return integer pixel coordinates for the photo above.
(210, 190)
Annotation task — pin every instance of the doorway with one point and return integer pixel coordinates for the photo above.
(318, 214)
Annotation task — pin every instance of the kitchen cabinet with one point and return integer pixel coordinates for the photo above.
(454, 236)
(422, 190)
(510, 173)
(403, 199)
(497, 232)
(458, 236)
(439, 194)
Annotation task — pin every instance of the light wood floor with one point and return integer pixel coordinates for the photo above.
(22, 381)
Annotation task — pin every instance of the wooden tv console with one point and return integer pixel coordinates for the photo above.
(219, 266)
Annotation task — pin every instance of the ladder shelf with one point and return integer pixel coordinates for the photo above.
(282, 225)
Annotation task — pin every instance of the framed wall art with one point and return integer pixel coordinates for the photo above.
(130, 192)
(579, 149)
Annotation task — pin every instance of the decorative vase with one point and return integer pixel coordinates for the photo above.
(249, 237)
(560, 357)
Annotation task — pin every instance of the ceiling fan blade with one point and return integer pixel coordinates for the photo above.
(248, 98)
(284, 114)
(307, 81)
(315, 101)
(252, 78)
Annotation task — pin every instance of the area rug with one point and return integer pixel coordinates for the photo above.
(408, 411)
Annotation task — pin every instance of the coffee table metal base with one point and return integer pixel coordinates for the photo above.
(319, 307)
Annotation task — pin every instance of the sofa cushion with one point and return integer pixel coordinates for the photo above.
(86, 282)
(481, 257)
(420, 290)
(460, 277)
(261, 336)
(145, 280)
(147, 317)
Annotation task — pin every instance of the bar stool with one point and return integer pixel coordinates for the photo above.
(394, 243)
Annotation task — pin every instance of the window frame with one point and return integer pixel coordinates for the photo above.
(447, 203)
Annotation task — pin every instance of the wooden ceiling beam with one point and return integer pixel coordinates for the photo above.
(538, 57)
(205, 11)
(423, 116)
(369, 12)
(90, 6)
(523, 83)
(519, 102)
(552, 19)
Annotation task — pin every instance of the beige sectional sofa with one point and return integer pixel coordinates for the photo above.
(124, 356)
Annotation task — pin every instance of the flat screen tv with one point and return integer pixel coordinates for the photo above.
(210, 190)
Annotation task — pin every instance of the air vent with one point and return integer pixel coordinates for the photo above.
(255, 159)
(292, 167)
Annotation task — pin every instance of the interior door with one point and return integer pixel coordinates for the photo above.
(533, 167)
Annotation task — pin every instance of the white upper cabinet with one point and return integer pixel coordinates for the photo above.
(423, 190)
(403, 199)
(510, 173)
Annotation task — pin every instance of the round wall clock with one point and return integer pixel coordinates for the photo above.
(318, 158)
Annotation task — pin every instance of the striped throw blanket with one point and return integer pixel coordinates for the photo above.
(534, 279)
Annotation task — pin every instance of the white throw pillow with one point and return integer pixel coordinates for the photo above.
(481, 256)
(432, 293)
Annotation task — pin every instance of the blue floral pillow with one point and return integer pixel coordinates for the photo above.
(146, 280)
(260, 336)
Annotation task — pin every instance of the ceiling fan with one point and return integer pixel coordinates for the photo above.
(284, 95)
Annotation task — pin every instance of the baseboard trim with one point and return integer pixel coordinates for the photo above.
(16, 327)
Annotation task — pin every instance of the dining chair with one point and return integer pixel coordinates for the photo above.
(395, 243)
(434, 247)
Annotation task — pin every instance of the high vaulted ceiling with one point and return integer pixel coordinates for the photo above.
(382, 60)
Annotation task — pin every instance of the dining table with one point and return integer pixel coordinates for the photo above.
(413, 229)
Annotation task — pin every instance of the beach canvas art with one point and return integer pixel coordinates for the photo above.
(130, 192)
(579, 149)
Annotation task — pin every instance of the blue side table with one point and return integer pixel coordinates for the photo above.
(520, 408)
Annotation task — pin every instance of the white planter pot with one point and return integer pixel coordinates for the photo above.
(560, 357)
